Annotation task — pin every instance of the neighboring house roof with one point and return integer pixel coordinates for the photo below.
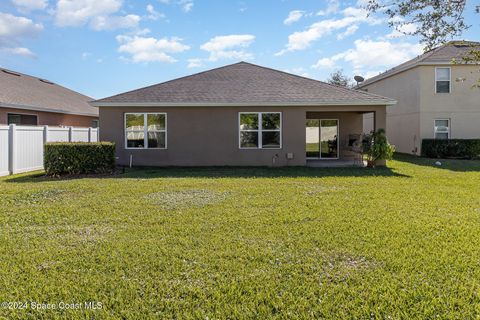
(243, 84)
(444, 54)
(21, 91)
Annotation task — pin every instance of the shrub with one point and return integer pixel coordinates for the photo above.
(376, 147)
(78, 157)
(453, 148)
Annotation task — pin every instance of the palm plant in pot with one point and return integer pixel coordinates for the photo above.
(376, 148)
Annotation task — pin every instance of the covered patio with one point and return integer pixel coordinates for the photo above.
(334, 139)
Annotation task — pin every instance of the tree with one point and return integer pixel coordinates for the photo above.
(340, 79)
(376, 147)
(436, 21)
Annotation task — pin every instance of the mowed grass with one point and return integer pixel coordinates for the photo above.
(217, 243)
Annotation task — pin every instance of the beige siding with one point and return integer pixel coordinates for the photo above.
(461, 105)
(403, 119)
(202, 136)
(412, 119)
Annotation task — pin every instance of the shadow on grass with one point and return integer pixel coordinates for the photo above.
(221, 172)
(446, 164)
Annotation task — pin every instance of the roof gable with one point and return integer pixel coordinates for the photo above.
(242, 84)
(440, 55)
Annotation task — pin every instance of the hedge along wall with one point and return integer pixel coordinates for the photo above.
(453, 148)
(79, 157)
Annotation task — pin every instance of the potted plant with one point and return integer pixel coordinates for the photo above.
(376, 148)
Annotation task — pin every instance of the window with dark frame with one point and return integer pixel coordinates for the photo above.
(22, 119)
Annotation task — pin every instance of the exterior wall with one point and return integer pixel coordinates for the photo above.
(49, 118)
(403, 119)
(412, 119)
(208, 136)
(461, 105)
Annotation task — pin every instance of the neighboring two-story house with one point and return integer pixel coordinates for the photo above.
(436, 98)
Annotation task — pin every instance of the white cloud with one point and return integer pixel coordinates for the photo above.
(195, 63)
(301, 40)
(143, 49)
(293, 16)
(368, 56)
(350, 30)
(30, 5)
(369, 53)
(402, 30)
(154, 14)
(325, 63)
(19, 51)
(80, 12)
(114, 22)
(372, 73)
(13, 27)
(12, 30)
(97, 13)
(229, 47)
(332, 7)
(85, 55)
(243, 7)
(187, 5)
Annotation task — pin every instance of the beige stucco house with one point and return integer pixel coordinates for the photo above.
(237, 115)
(435, 98)
(28, 100)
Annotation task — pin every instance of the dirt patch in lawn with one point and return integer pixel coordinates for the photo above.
(37, 197)
(68, 235)
(341, 267)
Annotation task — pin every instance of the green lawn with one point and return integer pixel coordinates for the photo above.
(216, 243)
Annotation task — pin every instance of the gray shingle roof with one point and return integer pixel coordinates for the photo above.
(442, 54)
(22, 91)
(243, 84)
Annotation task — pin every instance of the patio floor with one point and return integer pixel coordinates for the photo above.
(341, 163)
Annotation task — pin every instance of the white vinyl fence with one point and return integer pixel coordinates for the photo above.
(21, 147)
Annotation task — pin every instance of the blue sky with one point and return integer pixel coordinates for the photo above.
(104, 47)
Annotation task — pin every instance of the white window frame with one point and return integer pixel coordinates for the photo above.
(449, 80)
(145, 130)
(259, 130)
(435, 128)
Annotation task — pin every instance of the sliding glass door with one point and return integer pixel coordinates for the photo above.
(322, 138)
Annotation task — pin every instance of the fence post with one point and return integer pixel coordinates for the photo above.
(12, 147)
(70, 134)
(90, 134)
(45, 134)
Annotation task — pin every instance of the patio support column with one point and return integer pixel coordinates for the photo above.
(380, 122)
(380, 119)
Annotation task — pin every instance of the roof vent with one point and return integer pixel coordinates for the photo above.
(12, 73)
(46, 81)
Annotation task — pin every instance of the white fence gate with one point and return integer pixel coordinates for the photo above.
(21, 147)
